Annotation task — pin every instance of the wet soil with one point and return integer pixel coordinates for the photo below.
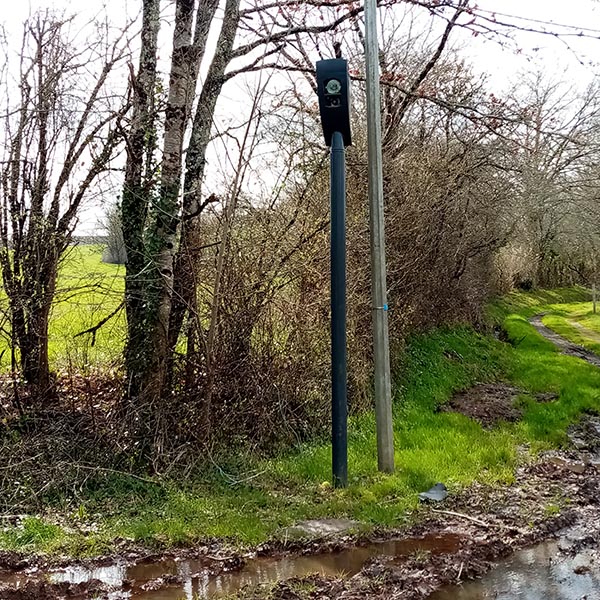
(487, 403)
(492, 525)
(585, 436)
(491, 403)
(544, 572)
(458, 540)
(172, 579)
(38, 590)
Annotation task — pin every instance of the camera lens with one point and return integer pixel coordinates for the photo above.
(333, 86)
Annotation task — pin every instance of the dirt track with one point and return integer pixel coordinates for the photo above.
(565, 345)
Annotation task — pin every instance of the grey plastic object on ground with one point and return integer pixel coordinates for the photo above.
(435, 494)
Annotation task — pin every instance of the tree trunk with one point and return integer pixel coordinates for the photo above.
(187, 255)
(30, 285)
(185, 67)
(140, 358)
(34, 350)
(150, 230)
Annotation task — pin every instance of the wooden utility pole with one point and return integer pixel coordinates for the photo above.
(593, 253)
(381, 351)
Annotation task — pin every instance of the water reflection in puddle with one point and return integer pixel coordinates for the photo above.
(538, 573)
(196, 582)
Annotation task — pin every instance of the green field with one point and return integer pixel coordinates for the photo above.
(88, 290)
(245, 499)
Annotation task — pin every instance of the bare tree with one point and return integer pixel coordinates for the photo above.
(59, 137)
(160, 211)
(557, 142)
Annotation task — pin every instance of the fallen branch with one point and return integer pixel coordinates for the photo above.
(115, 472)
(18, 464)
(462, 516)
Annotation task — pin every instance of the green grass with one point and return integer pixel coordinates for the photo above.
(589, 319)
(575, 321)
(431, 446)
(528, 304)
(566, 328)
(539, 367)
(88, 290)
(34, 533)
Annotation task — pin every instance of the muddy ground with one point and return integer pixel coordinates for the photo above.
(487, 403)
(490, 403)
(484, 523)
(493, 523)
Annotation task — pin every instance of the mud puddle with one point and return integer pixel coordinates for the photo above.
(539, 573)
(173, 579)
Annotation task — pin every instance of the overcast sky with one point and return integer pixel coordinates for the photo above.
(552, 53)
(571, 58)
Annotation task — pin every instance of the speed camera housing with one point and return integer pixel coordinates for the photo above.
(333, 89)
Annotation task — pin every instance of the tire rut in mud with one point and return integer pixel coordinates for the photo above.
(565, 346)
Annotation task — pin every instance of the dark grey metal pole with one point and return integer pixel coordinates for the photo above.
(339, 407)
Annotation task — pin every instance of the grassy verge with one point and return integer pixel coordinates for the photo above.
(247, 500)
(589, 319)
(527, 304)
(567, 327)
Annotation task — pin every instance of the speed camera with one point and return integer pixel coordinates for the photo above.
(333, 89)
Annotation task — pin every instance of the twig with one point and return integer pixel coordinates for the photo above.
(462, 564)
(232, 481)
(18, 464)
(462, 516)
(245, 479)
(116, 472)
(93, 330)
